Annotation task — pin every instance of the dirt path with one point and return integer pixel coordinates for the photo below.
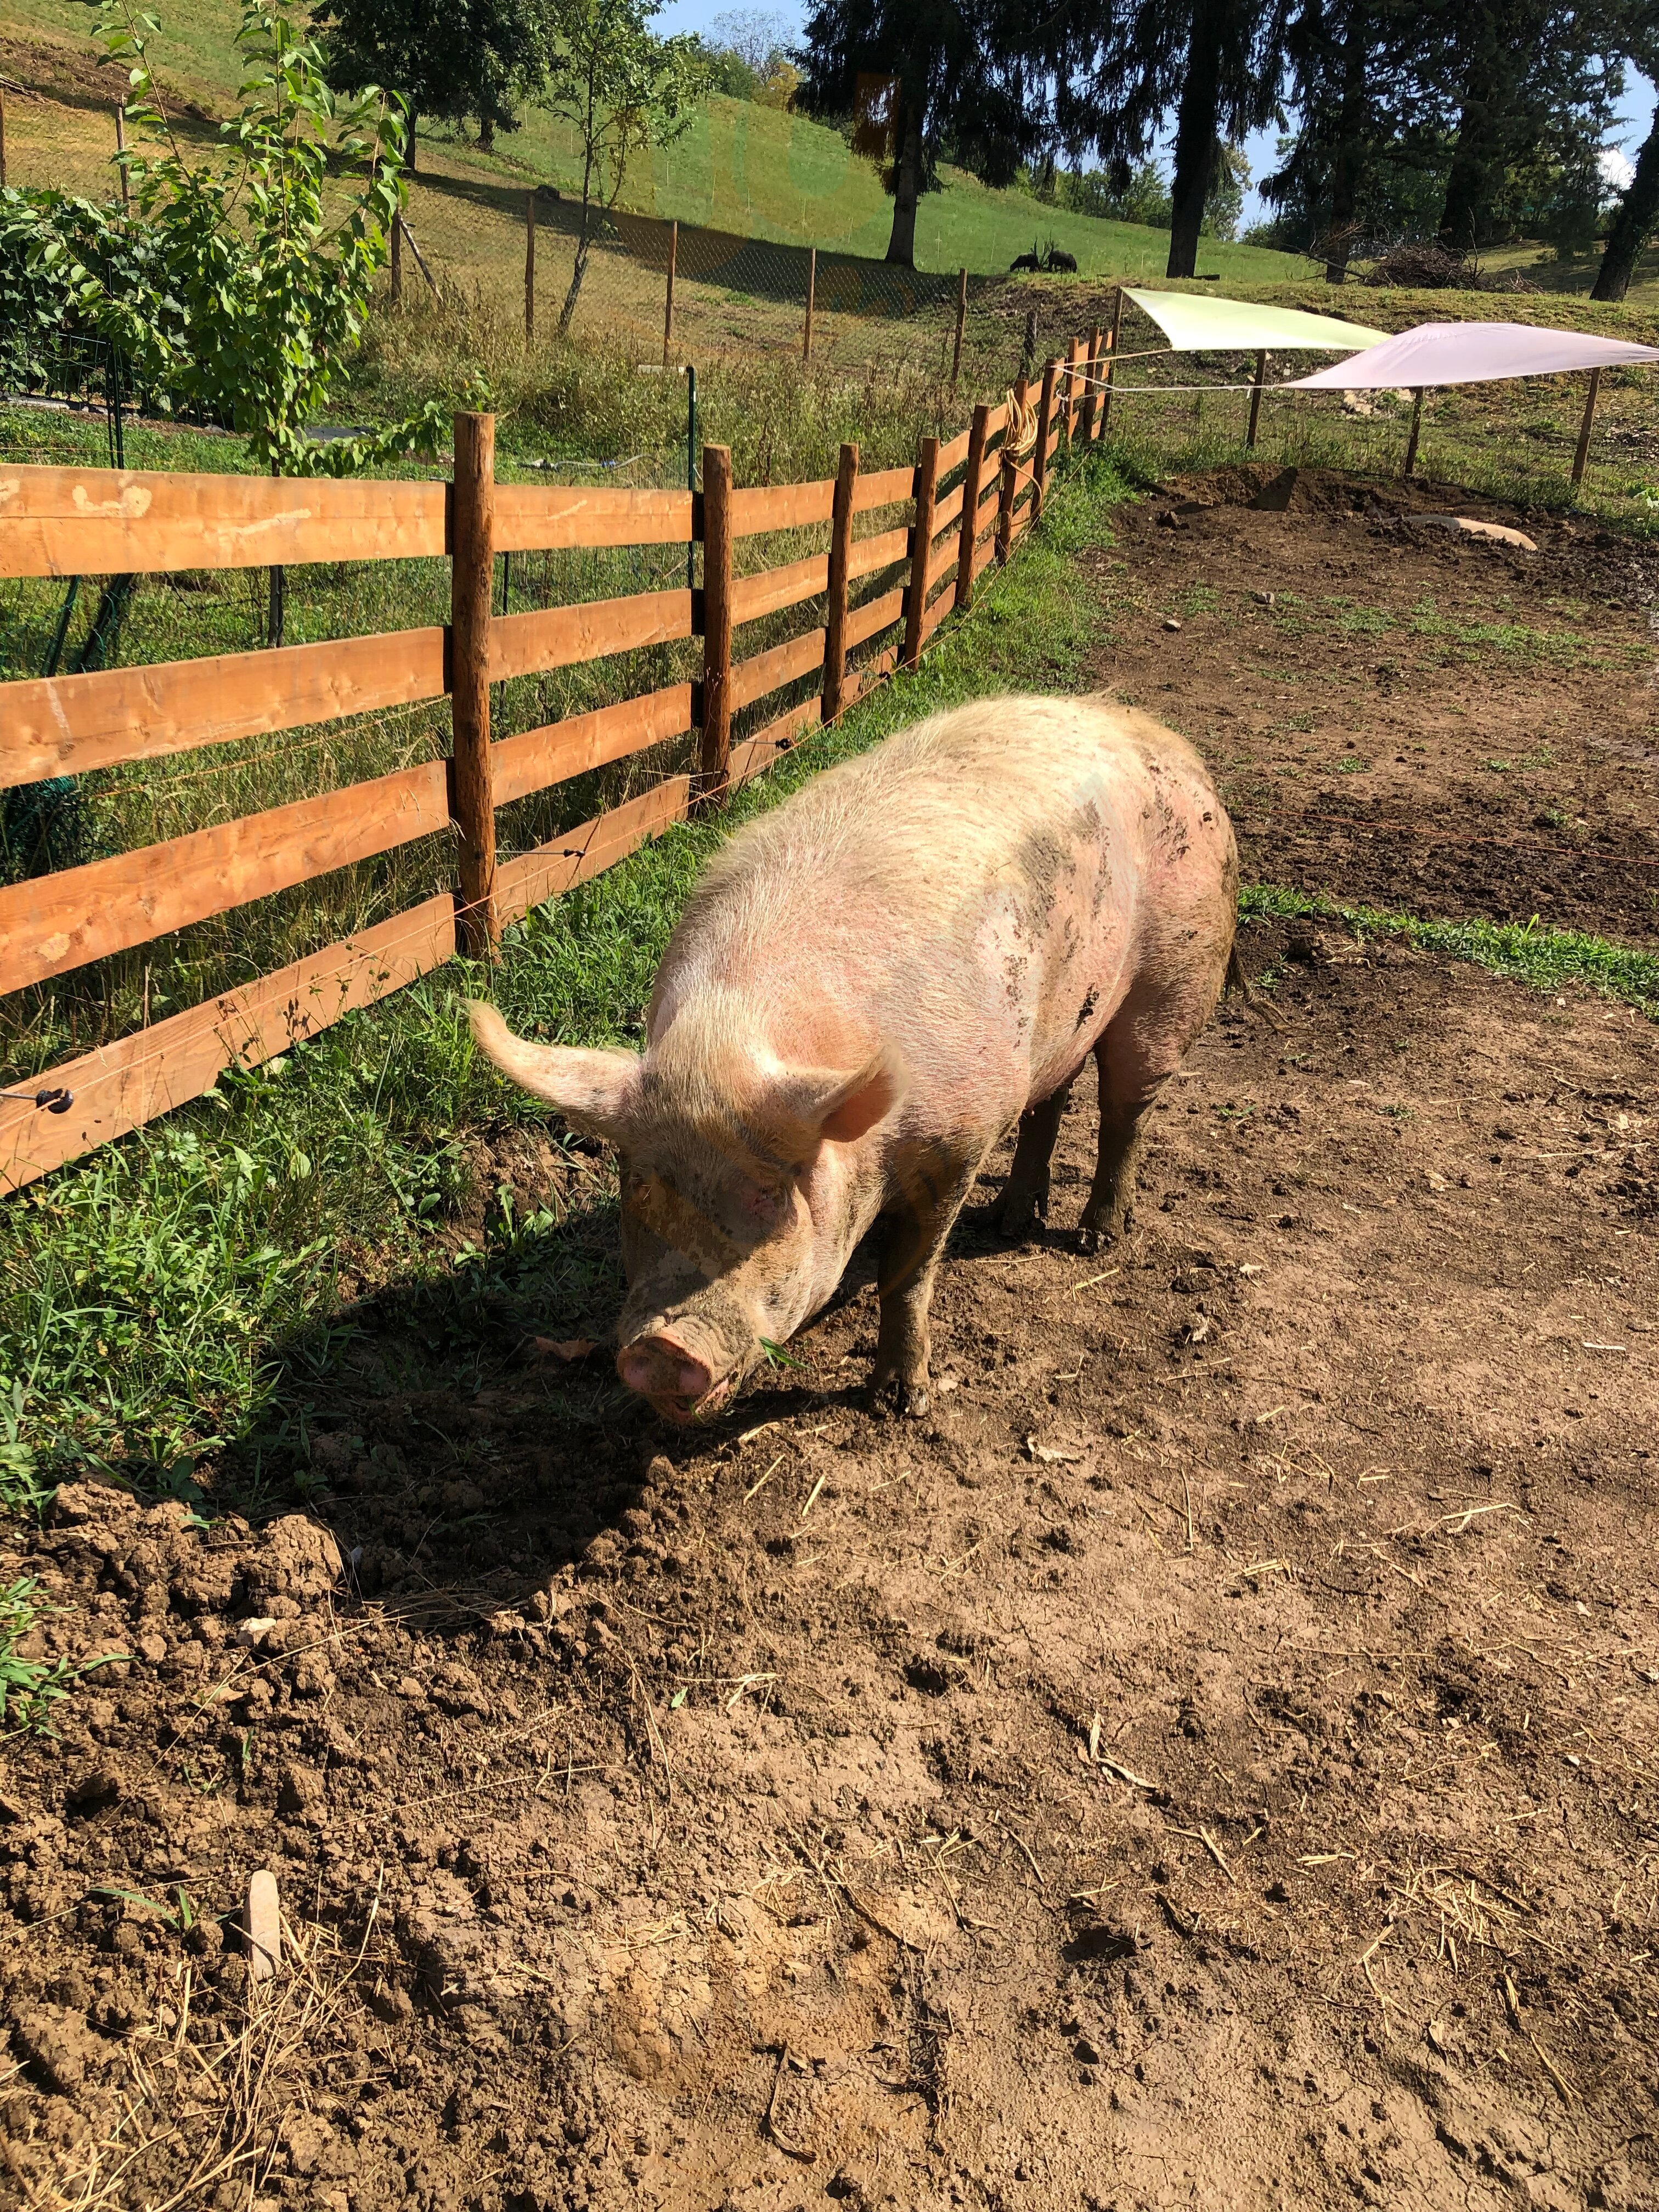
(1414, 720)
(1212, 1760)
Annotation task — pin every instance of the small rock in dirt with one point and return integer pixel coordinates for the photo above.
(262, 1925)
(253, 1633)
(1264, 599)
(1172, 622)
(94, 1793)
(300, 1791)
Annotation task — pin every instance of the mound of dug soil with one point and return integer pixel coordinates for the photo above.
(1209, 1760)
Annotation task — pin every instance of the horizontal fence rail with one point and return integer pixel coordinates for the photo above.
(971, 497)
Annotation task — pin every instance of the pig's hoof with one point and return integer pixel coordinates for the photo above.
(890, 1394)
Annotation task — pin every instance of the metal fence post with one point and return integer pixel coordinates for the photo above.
(716, 721)
(529, 270)
(812, 298)
(841, 548)
(668, 305)
(1417, 431)
(472, 570)
(922, 548)
(961, 317)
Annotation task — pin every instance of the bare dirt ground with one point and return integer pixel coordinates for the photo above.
(1399, 716)
(1210, 1761)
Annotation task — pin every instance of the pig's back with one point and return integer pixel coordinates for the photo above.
(982, 888)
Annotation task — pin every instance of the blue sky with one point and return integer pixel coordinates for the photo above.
(1636, 114)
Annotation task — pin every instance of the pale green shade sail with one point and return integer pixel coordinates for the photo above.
(1194, 324)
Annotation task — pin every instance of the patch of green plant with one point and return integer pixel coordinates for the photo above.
(1541, 957)
(30, 1688)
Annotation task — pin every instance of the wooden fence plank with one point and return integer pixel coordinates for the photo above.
(97, 522)
(884, 487)
(874, 615)
(554, 637)
(121, 1086)
(869, 554)
(985, 554)
(532, 517)
(67, 725)
(576, 855)
(753, 679)
(781, 507)
(775, 589)
(955, 453)
(759, 752)
(553, 754)
(947, 511)
(53, 923)
(943, 605)
(942, 564)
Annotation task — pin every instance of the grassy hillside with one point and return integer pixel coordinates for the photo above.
(741, 167)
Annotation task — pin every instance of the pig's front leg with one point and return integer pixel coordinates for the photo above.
(914, 1230)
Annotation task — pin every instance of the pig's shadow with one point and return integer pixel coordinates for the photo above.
(455, 1459)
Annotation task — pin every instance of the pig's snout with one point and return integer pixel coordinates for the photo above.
(680, 1383)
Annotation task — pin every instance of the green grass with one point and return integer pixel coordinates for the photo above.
(1545, 959)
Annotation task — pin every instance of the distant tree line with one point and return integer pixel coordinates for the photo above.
(1465, 122)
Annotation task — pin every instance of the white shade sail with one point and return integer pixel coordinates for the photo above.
(1195, 322)
(1471, 353)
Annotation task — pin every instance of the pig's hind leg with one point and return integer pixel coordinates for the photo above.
(913, 1233)
(1139, 1050)
(1026, 1197)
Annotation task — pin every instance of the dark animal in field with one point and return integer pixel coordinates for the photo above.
(1059, 263)
(921, 949)
(1025, 261)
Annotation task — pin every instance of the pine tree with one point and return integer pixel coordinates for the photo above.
(922, 78)
(1120, 70)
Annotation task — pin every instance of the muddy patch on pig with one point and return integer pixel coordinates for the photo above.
(1208, 1759)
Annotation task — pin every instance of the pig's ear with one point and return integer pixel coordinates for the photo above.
(598, 1092)
(823, 1103)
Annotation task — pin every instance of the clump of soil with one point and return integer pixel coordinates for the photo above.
(1211, 1758)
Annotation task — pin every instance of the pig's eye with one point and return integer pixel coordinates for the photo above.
(758, 1205)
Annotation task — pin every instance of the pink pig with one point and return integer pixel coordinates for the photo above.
(867, 987)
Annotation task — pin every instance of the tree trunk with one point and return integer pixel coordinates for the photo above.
(1196, 142)
(901, 246)
(409, 148)
(1350, 149)
(1633, 225)
(1479, 150)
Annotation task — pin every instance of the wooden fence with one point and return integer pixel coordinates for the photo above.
(970, 498)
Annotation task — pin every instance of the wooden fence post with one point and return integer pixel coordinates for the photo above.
(1417, 431)
(1111, 361)
(472, 574)
(1091, 396)
(1584, 429)
(397, 258)
(961, 317)
(1256, 398)
(2, 138)
(1045, 418)
(1074, 358)
(120, 155)
(668, 305)
(922, 548)
(840, 549)
(715, 751)
(529, 270)
(812, 296)
(1004, 540)
(970, 491)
